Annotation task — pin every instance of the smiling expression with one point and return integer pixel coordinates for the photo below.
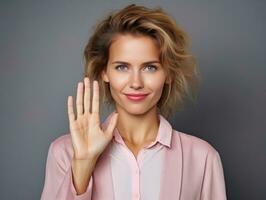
(134, 68)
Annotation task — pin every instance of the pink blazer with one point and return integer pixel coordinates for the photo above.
(192, 171)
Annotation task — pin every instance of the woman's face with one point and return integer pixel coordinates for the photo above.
(134, 67)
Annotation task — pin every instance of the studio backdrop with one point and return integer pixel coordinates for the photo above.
(41, 62)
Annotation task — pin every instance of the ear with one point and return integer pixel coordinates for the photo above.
(104, 76)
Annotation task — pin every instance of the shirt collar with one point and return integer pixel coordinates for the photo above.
(164, 135)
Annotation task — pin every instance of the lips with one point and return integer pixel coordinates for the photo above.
(136, 97)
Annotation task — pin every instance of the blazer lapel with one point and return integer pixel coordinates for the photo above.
(172, 170)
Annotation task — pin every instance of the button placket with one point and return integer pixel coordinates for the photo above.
(136, 178)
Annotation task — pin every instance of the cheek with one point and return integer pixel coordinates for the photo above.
(118, 82)
(156, 83)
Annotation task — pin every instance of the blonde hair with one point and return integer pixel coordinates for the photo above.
(179, 64)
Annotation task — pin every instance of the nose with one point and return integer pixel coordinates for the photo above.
(136, 81)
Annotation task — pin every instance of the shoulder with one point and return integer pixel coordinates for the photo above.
(62, 142)
(61, 149)
(193, 144)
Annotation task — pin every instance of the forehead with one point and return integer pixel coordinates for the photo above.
(131, 47)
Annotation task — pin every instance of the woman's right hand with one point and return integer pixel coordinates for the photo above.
(88, 139)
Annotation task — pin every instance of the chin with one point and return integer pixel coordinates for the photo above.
(137, 112)
(137, 109)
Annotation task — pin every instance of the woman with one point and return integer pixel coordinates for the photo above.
(136, 60)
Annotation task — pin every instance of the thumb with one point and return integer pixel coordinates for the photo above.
(112, 125)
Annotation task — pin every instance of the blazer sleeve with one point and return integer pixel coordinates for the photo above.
(58, 184)
(213, 183)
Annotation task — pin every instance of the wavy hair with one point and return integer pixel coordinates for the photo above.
(173, 42)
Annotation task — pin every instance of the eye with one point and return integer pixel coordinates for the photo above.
(120, 67)
(151, 67)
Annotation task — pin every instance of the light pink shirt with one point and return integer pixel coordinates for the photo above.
(175, 166)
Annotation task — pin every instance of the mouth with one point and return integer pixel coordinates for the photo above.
(136, 97)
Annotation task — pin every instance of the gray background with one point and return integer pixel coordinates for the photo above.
(41, 63)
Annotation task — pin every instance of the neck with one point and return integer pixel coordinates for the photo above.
(138, 129)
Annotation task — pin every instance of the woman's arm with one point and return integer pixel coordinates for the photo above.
(59, 182)
(88, 140)
(213, 184)
(81, 173)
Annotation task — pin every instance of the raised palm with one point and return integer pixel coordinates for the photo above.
(88, 138)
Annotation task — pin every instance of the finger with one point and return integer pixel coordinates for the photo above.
(87, 95)
(95, 99)
(112, 125)
(70, 110)
(79, 101)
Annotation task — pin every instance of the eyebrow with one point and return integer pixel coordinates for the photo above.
(145, 63)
